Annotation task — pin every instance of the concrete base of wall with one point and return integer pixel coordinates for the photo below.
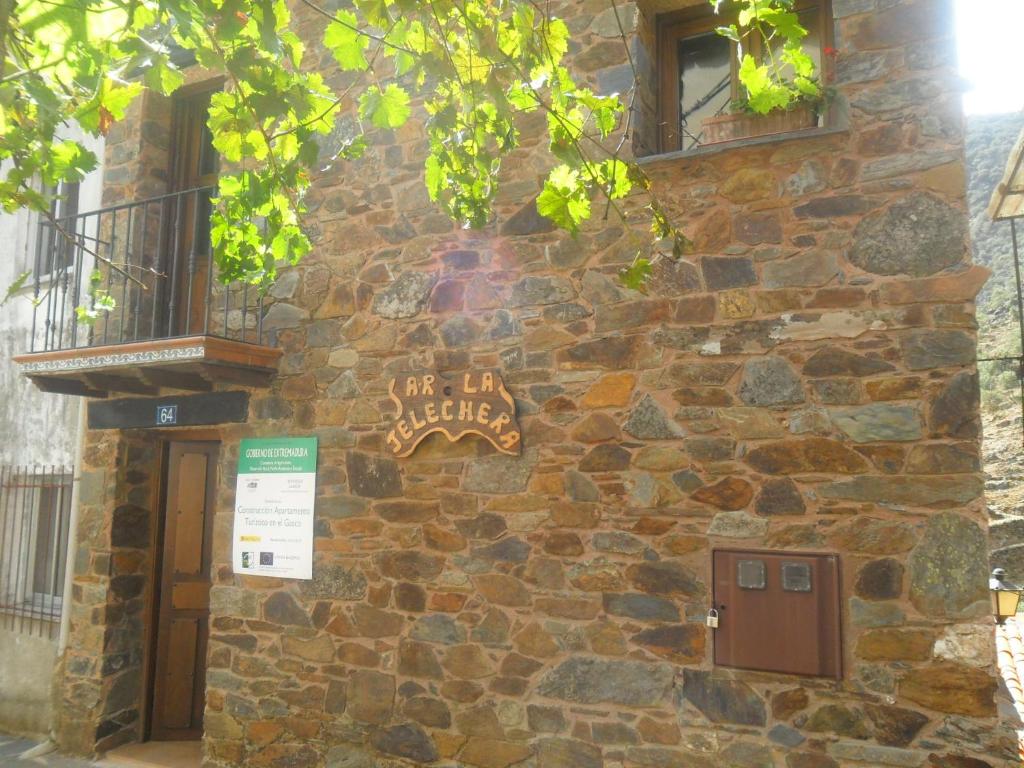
(26, 668)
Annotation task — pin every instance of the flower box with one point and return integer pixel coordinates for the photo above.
(745, 125)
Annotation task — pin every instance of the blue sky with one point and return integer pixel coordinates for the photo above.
(991, 52)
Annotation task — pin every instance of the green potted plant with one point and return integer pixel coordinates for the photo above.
(779, 82)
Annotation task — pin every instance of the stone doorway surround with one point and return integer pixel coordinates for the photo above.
(103, 693)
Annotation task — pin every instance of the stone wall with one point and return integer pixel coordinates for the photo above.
(802, 380)
(136, 162)
(101, 695)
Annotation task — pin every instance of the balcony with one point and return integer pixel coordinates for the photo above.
(173, 324)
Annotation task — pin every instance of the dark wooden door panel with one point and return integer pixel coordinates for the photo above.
(187, 549)
(179, 683)
(779, 612)
(190, 596)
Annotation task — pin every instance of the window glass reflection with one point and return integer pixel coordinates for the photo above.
(704, 83)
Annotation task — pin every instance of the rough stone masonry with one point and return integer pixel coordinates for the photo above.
(803, 379)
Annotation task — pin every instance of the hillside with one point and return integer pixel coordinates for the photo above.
(989, 141)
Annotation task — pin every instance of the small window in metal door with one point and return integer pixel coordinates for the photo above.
(796, 577)
(750, 574)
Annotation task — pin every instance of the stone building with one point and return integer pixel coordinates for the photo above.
(29, 640)
(799, 390)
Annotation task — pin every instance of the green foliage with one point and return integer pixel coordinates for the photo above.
(472, 66)
(342, 39)
(779, 73)
(999, 337)
(387, 108)
(636, 274)
(564, 199)
(100, 300)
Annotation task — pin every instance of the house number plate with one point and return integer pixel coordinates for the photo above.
(166, 415)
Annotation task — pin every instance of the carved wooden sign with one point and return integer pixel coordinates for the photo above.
(474, 403)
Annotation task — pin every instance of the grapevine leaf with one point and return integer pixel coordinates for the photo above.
(635, 276)
(345, 42)
(564, 199)
(385, 109)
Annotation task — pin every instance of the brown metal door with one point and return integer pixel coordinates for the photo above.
(778, 612)
(179, 683)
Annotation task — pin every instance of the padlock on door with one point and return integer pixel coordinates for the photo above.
(712, 619)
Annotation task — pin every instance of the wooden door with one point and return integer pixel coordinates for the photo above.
(183, 612)
(194, 167)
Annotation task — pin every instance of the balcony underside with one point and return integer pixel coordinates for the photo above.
(191, 363)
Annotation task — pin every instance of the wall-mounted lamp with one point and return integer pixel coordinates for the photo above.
(1005, 596)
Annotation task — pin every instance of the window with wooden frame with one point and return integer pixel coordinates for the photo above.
(699, 81)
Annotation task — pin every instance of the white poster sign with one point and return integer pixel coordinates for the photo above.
(274, 501)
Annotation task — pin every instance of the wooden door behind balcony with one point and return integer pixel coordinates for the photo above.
(194, 164)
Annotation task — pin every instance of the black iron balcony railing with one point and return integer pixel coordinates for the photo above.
(143, 271)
